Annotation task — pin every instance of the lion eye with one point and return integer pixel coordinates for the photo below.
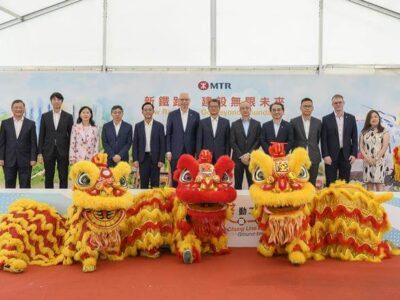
(258, 175)
(303, 173)
(83, 180)
(226, 178)
(123, 182)
(186, 176)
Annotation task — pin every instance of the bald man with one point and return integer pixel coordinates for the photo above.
(182, 125)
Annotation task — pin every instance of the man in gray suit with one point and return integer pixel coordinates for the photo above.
(307, 134)
(245, 137)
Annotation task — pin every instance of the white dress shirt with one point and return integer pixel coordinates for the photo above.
(56, 118)
(18, 126)
(306, 124)
(184, 116)
(340, 126)
(147, 130)
(276, 127)
(214, 124)
(117, 127)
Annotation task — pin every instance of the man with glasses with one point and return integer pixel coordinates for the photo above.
(277, 130)
(339, 142)
(181, 135)
(214, 132)
(307, 134)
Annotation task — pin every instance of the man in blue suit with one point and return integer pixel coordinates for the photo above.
(277, 130)
(182, 125)
(214, 132)
(18, 147)
(117, 137)
(339, 142)
(148, 148)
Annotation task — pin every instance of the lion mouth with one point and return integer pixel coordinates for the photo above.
(207, 207)
(282, 210)
(104, 219)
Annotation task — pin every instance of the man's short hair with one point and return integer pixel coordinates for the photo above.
(215, 101)
(305, 99)
(276, 103)
(148, 103)
(337, 96)
(115, 107)
(57, 95)
(17, 101)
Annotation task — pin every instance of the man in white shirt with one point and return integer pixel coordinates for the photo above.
(339, 142)
(181, 135)
(54, 141)
(307, 134)
(148, 148)
(18, 147)
(214, 132)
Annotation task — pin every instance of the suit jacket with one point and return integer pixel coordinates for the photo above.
(285, 135)
(312, 142)
(50, 137)
(177, 139)
(218, 144)
(117, 144)
(157, 142)
(330, 136)
(242, 144)
(18, 151)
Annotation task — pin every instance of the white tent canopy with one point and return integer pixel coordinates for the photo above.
(314, 35)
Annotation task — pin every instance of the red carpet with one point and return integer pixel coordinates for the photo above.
(243, 274)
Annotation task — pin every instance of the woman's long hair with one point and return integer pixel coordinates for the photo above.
(367, 124)
(79, 120)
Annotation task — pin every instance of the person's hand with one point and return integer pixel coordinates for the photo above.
(245, 159)
(33, 162)
(136, 164)
(1, 163)
(168, 155)
(328, 160)
(40, 158)
(160, 164)
(352, 159)
(116, 158)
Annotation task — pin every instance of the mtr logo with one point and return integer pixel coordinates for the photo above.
(204, 85)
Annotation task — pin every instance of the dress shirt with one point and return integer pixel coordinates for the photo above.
(276, 127)
(117, 127)
(147, 130)
(214, 123)
(56, 118)
(184, 117)
(246, 125)
(18, 126)
(340, 123)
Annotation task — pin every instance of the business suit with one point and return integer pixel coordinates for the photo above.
(311, 143)
(179, 141)
(220, 143)
(114, 144)
(285, 135)
(242, 143)
(330, 146)
(17, 153)
(54, 147)
(148, 161)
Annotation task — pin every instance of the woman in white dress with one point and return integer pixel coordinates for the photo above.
(374, 142)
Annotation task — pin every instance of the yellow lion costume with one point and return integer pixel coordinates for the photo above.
(343, 221)
(396, 161)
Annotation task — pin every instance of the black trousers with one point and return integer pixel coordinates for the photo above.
(313, 171)
(341, 166)
(149, 173)
(62, 168)
(24, 177)
(240, 168)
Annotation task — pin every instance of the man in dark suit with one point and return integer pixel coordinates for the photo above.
(307, 134)
(245, 137)
(18, 147)
(182, 125)
(277, 130)
(149, 148)
(214, 132)
(339, 142)
(117, 137)
(54, 139)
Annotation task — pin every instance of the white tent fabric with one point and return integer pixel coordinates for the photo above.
(180, 33)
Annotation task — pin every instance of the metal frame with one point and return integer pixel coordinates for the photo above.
(304, 69)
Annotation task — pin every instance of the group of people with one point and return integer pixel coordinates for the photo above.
(334, 139)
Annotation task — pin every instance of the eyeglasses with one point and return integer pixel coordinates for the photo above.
(337, 102)
(307, 106)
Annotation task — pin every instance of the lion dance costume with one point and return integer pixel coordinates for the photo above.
(396, 160)
(343, 221)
